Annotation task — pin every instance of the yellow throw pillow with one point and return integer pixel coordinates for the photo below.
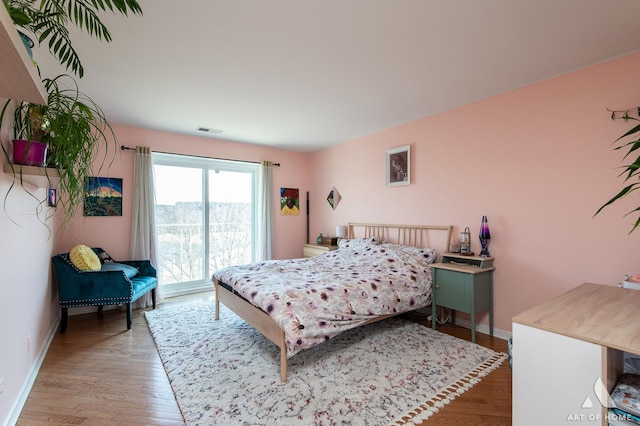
(84, 258)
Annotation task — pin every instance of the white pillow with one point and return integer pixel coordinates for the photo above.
(359, 242)
(426, 256)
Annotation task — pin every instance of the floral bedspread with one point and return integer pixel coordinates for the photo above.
(314, 299)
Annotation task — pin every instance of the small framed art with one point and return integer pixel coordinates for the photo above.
(102, 196)
(289, 201)
(334, 198)
(52, 197)
(398, 169)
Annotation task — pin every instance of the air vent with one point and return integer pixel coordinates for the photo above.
(208, 130)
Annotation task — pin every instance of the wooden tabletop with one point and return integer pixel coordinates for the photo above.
(604, 315)
(458, 267)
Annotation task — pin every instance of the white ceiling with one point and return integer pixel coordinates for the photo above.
(304, 74)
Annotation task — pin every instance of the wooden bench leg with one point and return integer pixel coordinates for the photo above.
(63, 321)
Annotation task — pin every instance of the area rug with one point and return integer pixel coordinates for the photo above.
(390, 372)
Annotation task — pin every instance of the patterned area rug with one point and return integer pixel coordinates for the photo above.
(390, 372)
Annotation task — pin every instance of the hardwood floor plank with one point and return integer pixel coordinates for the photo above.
(98, 373)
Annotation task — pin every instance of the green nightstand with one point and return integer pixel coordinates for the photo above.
(465, 284)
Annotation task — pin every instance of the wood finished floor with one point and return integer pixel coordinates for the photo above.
(97, 373)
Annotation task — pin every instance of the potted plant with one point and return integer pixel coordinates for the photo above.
(30, 147)
(631, 171)
(75, 130)
(71, 124)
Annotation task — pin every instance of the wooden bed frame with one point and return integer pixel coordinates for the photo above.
(416, 236)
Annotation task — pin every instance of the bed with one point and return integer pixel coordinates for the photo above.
(378, 272)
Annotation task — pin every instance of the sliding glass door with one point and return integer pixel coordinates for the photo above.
(205, 219)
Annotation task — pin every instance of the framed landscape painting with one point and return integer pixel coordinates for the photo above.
(103, 196)
(398, 169)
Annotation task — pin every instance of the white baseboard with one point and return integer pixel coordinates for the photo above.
(484, 329)
(14, 414)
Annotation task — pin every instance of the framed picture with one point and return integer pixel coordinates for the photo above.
(52, 197)
(103, 196)
(398, 162)
(289, 201)
(334, 198)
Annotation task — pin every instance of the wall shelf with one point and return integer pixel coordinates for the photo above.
(41, 177)
(19, 78)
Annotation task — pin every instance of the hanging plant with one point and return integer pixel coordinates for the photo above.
(71, 123)
(76, 131)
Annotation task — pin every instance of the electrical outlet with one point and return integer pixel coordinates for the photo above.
(28, 343)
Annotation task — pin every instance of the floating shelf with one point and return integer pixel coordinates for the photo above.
(41, 177)
(19, 78)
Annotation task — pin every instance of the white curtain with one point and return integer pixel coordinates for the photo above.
(265, 212)
(143, 235)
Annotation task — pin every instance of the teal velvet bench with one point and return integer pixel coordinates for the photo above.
(107, 282)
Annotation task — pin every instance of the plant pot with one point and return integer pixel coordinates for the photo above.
(29, 153)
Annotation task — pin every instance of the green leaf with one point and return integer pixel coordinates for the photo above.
(636, 129)
(625, 191)
(49, 20)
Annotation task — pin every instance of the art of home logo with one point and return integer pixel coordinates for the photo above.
(605, 400)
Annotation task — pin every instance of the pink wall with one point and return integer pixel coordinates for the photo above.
(28, 301)
(112, 233)
(537, 161)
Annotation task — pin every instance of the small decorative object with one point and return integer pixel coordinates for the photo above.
(465, 241)
(103, 196)
(485, 236)
(28, 43)
(334, 198)
(398, 166)
(319, 239)
(289, 201)
(52, 197)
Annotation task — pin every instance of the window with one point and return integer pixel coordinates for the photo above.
(205, 218)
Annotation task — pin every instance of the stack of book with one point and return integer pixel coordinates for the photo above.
(626, 397)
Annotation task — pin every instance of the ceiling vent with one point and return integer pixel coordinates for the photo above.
(208, 130)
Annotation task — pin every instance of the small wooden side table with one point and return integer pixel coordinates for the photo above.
(463, 283)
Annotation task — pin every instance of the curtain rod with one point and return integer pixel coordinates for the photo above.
(128, 148)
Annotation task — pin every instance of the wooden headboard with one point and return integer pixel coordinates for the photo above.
(433, 236)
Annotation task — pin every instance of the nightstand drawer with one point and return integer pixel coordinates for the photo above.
(312, 250)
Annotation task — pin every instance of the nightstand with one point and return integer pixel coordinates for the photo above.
(465, 284)
(312, 250)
